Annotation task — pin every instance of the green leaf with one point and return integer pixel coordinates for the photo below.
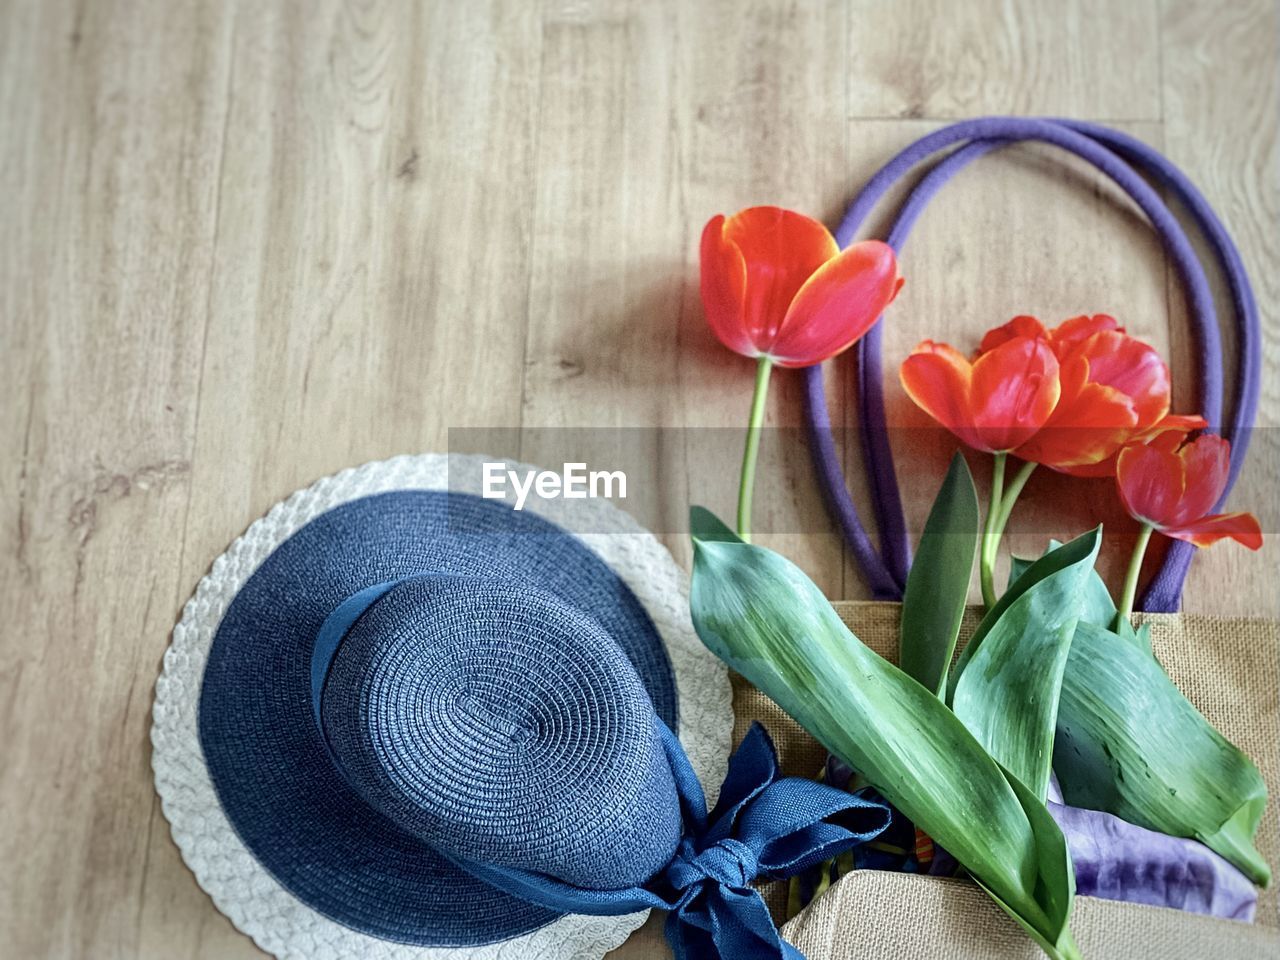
(1008, 694)
(938, 585)
(1058, 558)
(1140, 638)
(1131, 744)
(759, 613)
(1096, 604)
(705, 525)
(1018, 566)
(1054, 858)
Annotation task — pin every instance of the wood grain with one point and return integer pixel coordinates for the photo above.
(114, 120)
(1235, 167)
(938, 59)
(248, 244)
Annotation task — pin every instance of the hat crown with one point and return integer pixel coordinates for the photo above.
(503, 726)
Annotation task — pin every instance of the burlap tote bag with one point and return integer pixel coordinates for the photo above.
(1228, 667)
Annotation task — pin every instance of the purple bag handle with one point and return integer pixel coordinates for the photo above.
(1117, 155)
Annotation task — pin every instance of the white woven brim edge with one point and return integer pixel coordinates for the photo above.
(239, 886)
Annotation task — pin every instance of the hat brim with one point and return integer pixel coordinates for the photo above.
(271, 831)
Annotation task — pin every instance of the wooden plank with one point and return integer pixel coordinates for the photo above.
(371, 273)
(1221, 101)
(689, 118)
(369, 280)
(114, 116)
(932, 59)
(694, 109)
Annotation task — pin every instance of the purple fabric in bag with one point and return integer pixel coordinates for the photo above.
(1116, 860)
(1113, 860)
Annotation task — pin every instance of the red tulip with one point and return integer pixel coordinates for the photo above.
(775, 285)
(1115, 391)
(1067, 334)
(996, 403)
(1172, 488)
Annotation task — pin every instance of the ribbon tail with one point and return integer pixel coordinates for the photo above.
(688, 932)
(729, 924)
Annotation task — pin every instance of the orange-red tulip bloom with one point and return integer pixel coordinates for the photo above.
(1115, 391)
(774, 284)
(996, 403)
(1174, 489)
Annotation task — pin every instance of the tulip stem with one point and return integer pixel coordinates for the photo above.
(1131, 578)
(1010, 496)
(990, 533)
(752, 449)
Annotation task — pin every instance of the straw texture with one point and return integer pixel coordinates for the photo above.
(502, 725)
(896, 916)
(265, 753)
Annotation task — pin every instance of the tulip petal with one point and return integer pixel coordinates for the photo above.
(1206, 462)
(1241, 527)
(1089, 424)
(1150, 481)
(780, 250)
(937, 378)
(1071, 332)
(1173, 489)
(1169, 434)
(1086, 403)
(838, 304)
(1130, 366)
(724, 288)
(1013, 392)
(1020, 326)
(1171, 430)
(1086, 428)
(1114, 388)
(1102, 468)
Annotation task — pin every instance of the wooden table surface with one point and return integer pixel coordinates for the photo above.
(244, 245)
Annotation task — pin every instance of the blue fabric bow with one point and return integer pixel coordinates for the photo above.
(762, 827)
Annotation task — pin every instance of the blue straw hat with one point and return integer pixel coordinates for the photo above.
(402, 720)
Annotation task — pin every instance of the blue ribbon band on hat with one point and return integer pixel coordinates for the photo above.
(336, 626)
(763, 827)
(329, 638)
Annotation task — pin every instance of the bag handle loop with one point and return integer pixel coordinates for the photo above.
(1123, 159)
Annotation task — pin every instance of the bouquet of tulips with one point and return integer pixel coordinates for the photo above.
(1055, 690)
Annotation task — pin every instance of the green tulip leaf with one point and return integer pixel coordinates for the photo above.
(759, 613)
(1054, 858)
(1008, 693)
(1096, 603)
(938, 585)
(1018, 565)
(705, 525)
(1131, 744)
(1139, 637)
(1082, 548)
